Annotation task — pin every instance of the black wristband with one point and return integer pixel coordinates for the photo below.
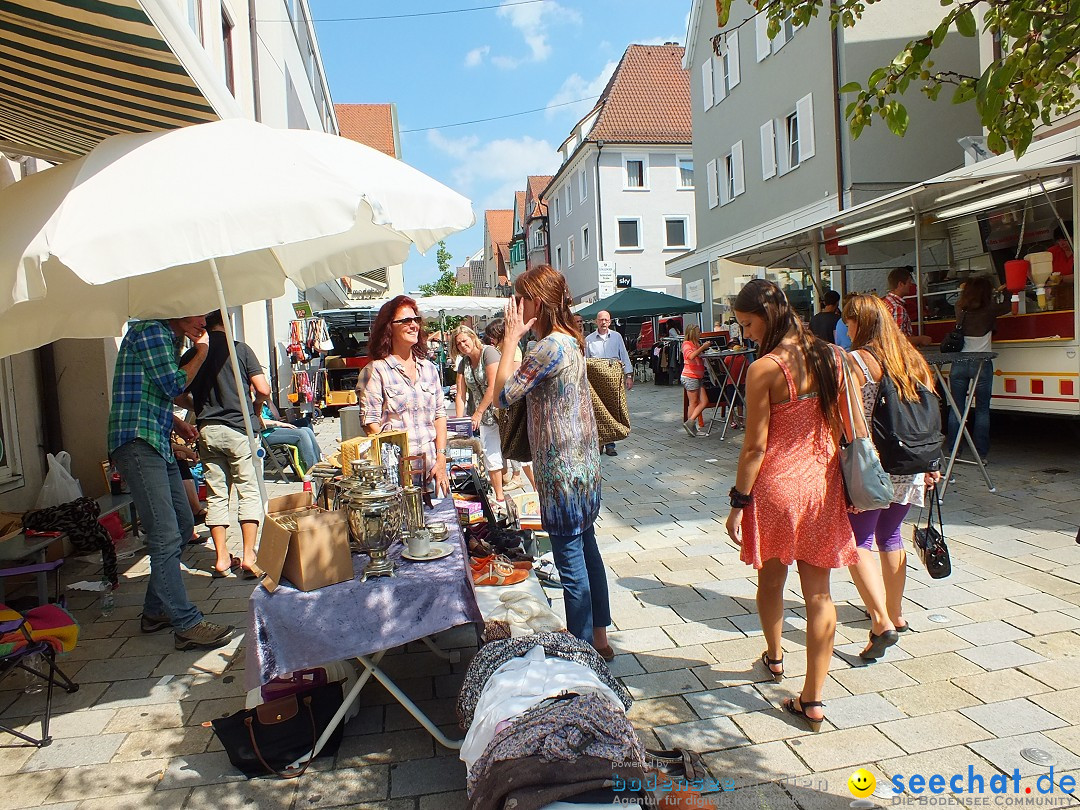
(738, 499)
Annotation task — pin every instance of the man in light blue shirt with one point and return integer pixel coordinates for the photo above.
(606, 343)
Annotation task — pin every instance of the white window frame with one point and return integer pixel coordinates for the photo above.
(555, 209)
(792, 157)
(644, 160)
(733, 178)
(569, 199)
(679, 159)
(584, 241)
(765, 46)
(641, 242)
(583, 185)
(768, 150)
(686, 232)
(724, 67)
(558, 257)
(571, 251)
(708, 84)
(712, 180)
(803, 116)
(11, 472)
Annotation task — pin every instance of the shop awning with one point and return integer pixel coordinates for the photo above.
(637, 303)
(74, 72)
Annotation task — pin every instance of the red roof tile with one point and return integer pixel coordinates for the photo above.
(534, 191)
(519, 206)
(647, 99)
(499, 224)
(370, 124)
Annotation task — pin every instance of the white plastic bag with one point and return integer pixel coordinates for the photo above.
(60, 486)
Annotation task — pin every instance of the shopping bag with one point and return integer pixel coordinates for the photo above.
(930, 543)
(270, 737)
(60, 486)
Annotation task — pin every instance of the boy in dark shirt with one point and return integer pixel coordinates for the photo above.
(824, 323)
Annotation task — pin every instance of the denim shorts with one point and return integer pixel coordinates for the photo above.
(690, 383)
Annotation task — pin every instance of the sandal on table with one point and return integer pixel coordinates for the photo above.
(770, 663)
(813, 723)
(879, 644)
(495, 572)
(234, 564)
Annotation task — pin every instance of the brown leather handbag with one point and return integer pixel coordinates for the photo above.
(607, 389)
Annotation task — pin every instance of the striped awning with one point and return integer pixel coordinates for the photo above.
(73, 72)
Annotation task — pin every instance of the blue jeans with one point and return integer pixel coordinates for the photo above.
(584, 582)
(162, 503)
(960, 376)
(303, 439)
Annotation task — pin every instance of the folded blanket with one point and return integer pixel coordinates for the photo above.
(49, 623)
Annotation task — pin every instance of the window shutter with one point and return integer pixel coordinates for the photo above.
(707, 84)
(710, 174)
(762, 31)
(805, 110)
(720, 79)
(738, 183)
(768, 150)
(733, 58)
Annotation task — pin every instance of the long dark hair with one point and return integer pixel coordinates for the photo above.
(547, 287)
(977, 294)
(765, 299)
(381, 343)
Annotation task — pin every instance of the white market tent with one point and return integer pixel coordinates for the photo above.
(451, 306)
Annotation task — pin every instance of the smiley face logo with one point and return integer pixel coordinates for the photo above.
(861, 783)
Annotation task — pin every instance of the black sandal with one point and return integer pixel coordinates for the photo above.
(680, 763)
(813, 723)
(878, 645)
(770, 663)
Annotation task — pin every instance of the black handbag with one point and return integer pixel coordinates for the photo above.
(954, 341)
(273, 735)
(930, 543)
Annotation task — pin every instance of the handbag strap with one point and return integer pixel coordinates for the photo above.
(848, 387)
(314, 740)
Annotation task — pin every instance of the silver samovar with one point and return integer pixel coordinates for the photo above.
(376, 521)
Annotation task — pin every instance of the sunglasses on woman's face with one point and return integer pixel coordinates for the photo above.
(403, 321)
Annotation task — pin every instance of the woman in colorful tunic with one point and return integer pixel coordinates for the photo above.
(788, 502)
(400, 389)
(564, 441)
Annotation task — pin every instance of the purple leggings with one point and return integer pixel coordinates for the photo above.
(884, 524)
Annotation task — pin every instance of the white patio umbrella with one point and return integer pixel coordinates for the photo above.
(170, 224)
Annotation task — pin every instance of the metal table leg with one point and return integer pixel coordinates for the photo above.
(963, 432)
(409, 706)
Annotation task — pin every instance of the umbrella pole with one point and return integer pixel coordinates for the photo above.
(241, 386)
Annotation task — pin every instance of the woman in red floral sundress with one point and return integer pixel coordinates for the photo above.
(788, 501)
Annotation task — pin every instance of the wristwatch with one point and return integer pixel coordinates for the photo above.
(442, 450)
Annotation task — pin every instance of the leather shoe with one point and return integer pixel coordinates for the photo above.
(610, 450)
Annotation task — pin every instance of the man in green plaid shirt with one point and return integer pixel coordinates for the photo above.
(146, 380)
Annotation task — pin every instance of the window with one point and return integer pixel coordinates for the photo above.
(768, 150)
(732, 180)
(558, 257)
(194, 17)
(675, 232)
(585, 241)
(636, 173)
(630, 234)
(227, 50)
(686, 171)
(570, 253)
(583, 184)
(10, 458)
(569, 200)
(765, 46)
(795, 136)
(555, 209)
(791, 128)
(711, 179)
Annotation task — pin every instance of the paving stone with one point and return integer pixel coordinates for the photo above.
(645, 617)
(256, 794)
(345, 787)
(28, 789)
(941, 596)
(767, 795)
(985, 633)
(157, 799)
(1039, 624)
(426, 776)
(681, 657)
(1002, 684)
(1005, 754)
(1008, 718)
(659, 684)
(126, 694)
(776, 724)
(1064, 703)
(145, 718)
(829, 750)
(1001, 656)
(932, 642)
(879, 677)
(704, 632)
(939, 667)
(113, 779)
(665, 711)
(1069, 737)
(827, 790)
(645, 639)
(164, 743)
(860, 710)
(1041, 602)
(75, 752)
(1054, 645)
(14, 758)
(938, 730)
(195, 770)
(1055, 674)
(717, 607)
(710, 734)
(727, 701)
(397, 746)
(753, 765)
(997, 588)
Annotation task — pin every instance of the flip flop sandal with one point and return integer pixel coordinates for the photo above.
(879, 644)
(813, 723)
(234, 564)
(250, 573)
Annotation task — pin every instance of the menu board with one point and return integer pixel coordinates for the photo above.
(965, 237)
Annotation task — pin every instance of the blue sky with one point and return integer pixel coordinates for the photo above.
(453, 68)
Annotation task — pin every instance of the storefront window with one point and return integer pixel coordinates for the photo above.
(10, 462)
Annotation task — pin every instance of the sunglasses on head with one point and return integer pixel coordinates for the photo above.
(415, 319)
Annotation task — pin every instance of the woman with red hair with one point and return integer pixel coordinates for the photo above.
(400, 389)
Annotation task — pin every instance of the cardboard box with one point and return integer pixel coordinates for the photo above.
(312, 556)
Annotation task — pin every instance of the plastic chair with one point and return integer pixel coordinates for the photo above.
(41, 631)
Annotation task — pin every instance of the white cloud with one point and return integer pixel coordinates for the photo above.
(490, 172)
(576, 87)
(534, 23)
(476, 56)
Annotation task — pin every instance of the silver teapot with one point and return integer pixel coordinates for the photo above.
(376, 522)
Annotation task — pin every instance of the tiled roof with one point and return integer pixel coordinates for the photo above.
(519, 206)
(499, 224)
(647, 99)
(536, 185)
(369, 124)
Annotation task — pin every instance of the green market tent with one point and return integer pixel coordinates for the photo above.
(637, 303)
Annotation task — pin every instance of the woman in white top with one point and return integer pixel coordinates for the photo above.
(476, 375)
(878, 346)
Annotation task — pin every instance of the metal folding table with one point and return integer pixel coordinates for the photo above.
(937, 360)
(720, 375)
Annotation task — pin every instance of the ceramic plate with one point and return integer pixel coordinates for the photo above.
(437, 552)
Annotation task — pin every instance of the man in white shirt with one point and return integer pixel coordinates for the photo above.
(606, 343)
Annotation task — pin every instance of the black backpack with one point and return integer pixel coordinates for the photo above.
(907, 434)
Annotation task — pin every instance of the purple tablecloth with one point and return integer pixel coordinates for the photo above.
(290, 629)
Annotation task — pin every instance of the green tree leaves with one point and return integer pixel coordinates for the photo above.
(446, 283)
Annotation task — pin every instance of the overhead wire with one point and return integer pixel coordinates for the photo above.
(500, 117)
(430, 13)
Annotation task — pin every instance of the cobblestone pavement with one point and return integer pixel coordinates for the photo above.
(991, 669)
